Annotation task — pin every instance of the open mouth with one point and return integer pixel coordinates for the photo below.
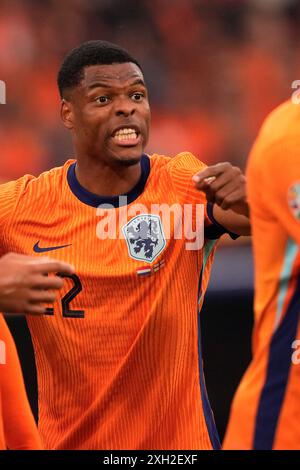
(126, 135)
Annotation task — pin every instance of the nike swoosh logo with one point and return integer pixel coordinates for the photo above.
(39, 249)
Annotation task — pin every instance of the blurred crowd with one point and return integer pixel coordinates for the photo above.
(214, 68)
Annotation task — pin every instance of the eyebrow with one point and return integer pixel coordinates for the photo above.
(139, 81)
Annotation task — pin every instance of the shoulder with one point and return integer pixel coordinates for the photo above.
(44, 185)
(278, 141)
(283, 120)
(183, 162)
(30, 191)
(177, 173)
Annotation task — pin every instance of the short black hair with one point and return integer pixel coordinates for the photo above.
(89, 53)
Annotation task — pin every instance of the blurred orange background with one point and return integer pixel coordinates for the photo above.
(214, 68)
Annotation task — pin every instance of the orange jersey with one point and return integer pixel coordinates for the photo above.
(119, 358)
(266, 409)
(17, 427)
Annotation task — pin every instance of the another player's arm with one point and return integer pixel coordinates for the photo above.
(225, 187)
(20, 431)
(24, 284)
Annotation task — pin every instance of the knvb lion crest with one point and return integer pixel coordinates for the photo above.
(145, 237)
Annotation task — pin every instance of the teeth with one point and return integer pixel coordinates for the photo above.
(126, 137)
(126, 131)
(126, 134)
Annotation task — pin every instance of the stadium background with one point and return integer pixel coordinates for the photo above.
(214, 68)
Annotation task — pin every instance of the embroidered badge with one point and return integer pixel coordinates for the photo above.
(145, 237)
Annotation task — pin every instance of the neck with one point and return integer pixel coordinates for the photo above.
(104, 180)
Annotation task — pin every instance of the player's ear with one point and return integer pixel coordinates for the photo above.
(66, 113)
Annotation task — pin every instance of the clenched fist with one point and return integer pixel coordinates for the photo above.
(224, 185)
(24, 284)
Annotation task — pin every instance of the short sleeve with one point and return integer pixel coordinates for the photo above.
(182, 168)
(10, 196)
(275, 174)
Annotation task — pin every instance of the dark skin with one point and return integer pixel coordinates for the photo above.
(110, 97)
(25, 285)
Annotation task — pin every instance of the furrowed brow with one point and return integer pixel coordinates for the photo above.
(139, 81)
(98, 85)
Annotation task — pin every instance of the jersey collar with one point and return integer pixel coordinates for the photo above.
(95, 200)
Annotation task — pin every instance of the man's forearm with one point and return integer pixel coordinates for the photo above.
(233, 221)
(225, 186)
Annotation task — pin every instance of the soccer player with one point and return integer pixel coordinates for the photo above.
(118, 357)
(24, 288)
(17, 426)
(266, 409)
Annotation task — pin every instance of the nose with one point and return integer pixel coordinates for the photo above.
(124, 106)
